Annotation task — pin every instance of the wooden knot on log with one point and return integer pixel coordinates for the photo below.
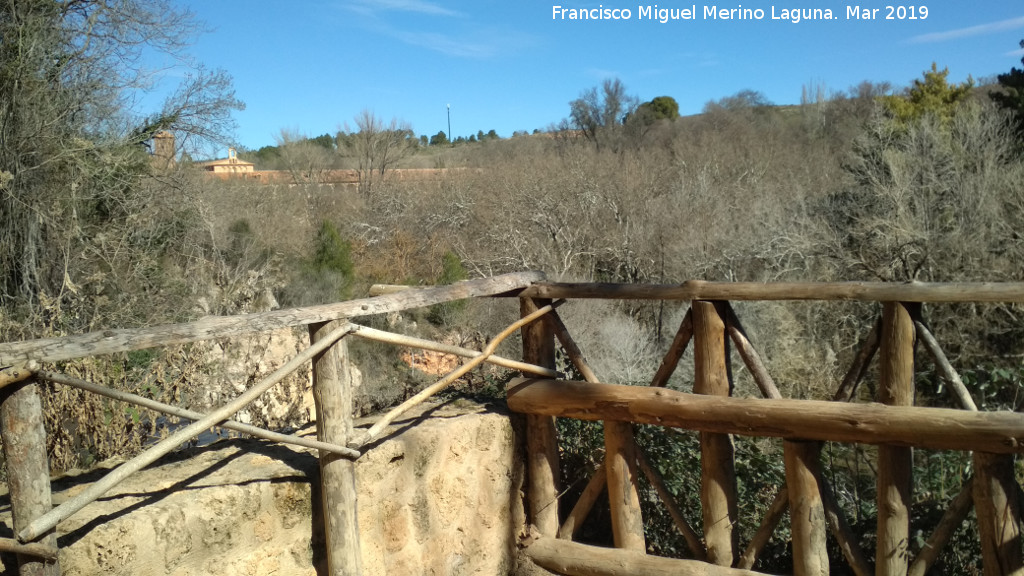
(11, 374)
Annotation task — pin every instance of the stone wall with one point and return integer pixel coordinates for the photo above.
(439, 495)
(330, 176)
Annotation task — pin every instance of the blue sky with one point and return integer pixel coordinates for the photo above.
(311, 65)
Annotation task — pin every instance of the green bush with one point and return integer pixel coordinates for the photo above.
(332, 253)
(328, 275)
(452, 271)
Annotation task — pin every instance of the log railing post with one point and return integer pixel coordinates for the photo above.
(620, 458)
(895, 463)
(998, 508)
(806, 509)
(718, 474)
(595, 487)
(28, 471)
(542, 466)
(623, 488)
(332, 393)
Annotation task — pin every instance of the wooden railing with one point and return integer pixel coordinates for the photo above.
(891, 423)
(24, 438)
(710, 324)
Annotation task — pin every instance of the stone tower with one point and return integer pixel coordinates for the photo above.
(163, 150)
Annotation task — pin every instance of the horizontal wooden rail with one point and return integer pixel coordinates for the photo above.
(113, 341)
(383, 289)
(566, 557)
(49, 520)
(14, 374)
(31, 549)
(343, 451)
(863, 291)
(452, 376)
(413, 342)
(934, 428)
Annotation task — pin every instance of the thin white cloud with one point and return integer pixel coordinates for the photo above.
(1016, 53)
(1002, 25)
(649, 72)
(476, 44)
(466, 41)
(418, 6)
(601, 73)
(699, 59)
(446, 45)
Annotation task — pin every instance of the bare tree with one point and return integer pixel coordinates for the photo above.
(198, 111)
(600, 114)
(306, 161)
(931, 199)
(378, 147)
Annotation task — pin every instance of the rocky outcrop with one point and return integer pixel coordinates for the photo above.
(438, 495)
(430, 362)
(235, 364)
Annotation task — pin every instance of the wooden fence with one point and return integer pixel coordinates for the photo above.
(24, 438)
(891, 423)
(711, 323)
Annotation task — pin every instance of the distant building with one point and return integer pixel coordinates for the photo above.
(163, 150)
(229, 165)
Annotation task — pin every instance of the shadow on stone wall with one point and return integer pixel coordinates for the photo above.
(440, 494)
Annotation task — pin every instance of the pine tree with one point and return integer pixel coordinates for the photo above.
(932, 95)
(1011, 97)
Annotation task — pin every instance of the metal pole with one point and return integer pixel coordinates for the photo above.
(450, 140)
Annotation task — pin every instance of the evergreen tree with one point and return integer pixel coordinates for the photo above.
(331, 271)
(1011, 97)
(660, 108)
(932, 95)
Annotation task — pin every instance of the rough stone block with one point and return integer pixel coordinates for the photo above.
(438, 495)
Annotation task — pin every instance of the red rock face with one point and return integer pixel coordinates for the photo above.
(433, 363)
